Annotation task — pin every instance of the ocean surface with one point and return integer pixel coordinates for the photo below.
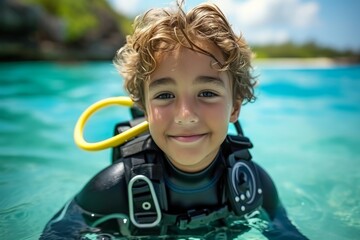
(305, 126)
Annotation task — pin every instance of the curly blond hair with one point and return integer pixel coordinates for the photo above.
(162, 30)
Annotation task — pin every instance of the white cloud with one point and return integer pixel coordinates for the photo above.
(269, 20)
(133, 8)
(127, 7)
(257, 13)
(306, 15)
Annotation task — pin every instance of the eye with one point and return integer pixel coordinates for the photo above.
(164, 96)
(207, 94)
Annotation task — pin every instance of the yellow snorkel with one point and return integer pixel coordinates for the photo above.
(110, 142)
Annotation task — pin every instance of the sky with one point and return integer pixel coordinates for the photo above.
(331, 23)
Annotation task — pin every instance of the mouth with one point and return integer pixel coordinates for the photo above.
(188, 138)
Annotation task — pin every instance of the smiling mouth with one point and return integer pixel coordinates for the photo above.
(188, 138)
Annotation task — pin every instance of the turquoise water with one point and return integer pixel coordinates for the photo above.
(305, 126)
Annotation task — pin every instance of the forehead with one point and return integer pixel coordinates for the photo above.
(189, 66)
(186, 63)
(207, 49)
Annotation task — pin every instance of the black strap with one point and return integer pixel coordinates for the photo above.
(243, 183)
(143, 201)
(235, 143)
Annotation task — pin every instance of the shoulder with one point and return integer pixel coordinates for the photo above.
(270, 195)
(106, 191)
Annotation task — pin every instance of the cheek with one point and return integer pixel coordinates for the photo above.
(158, 120)
(157, 115)
(220, 112)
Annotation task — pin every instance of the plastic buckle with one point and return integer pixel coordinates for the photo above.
(146, 206)
(182, 222)
(193, 219)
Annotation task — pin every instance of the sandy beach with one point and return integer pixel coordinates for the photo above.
(320, 62)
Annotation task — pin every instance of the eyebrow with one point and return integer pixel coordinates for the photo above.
(199, 80)
(161, 81)
(210, 79)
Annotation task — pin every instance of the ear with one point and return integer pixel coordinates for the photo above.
(235, 110)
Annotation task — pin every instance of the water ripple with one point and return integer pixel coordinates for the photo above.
(301, 203)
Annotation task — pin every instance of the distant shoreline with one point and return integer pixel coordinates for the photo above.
(304, 62)
(319, 62)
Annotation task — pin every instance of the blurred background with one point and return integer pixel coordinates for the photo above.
(94, 29)
(56, 60)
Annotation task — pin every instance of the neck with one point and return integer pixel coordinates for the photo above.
(198, 167)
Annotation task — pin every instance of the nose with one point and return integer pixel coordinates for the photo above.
(186, 112)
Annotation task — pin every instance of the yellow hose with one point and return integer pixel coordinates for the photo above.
(110, 142)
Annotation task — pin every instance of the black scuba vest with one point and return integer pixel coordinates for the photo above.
(149, 213)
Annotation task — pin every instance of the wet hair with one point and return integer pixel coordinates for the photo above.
(163, 30)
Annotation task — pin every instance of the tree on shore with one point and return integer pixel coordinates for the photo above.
(305, 50)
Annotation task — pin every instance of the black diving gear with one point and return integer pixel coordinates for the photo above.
(143, 196)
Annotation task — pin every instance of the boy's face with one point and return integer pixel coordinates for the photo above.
(188, 106)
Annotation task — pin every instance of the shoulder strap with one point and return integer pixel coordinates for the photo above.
(132, 145)
(243, 183)
(234, 143)
(242, 180)
(144, 177)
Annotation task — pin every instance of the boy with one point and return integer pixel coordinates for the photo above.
(190, 74)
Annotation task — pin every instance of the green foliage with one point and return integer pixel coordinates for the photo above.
(79, 16)
(76, 15)
(291, 50)
(125, 24)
